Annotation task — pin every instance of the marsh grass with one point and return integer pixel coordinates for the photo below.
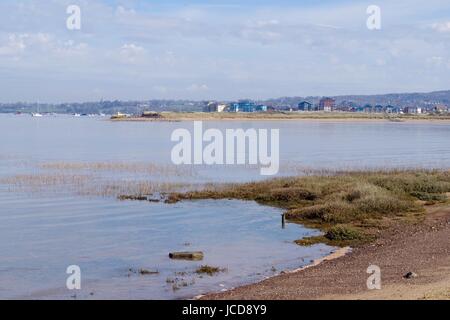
(89, 185)
(126, 167)
(105, 179)
(350, 207)
(40, 182)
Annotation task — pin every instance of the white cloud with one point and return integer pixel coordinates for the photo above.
(435, 61)
(124, 12)
(263, 23)
(160, 89)
(131, 53)
(70, 48)
(33, 45)
(17, 43)
(197, 87)
(14, 46)
(380, 62)
(442, 26)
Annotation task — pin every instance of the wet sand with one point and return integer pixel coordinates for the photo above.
(422, 248)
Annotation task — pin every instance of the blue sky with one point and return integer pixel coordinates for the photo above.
(219, 49)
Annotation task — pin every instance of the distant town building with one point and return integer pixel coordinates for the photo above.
(243, 106)
(392, 109)
(261, 108)
(378, 109)
(413, 110)
(368, 108)
(222, 107)
(284, 108)
(211, 107)
(327, 104)
(233, 107)
(347, 106)
(440, 108)
(215, 107)
(305, 106)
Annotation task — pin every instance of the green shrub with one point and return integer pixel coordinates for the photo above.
(291, 194)
(383, 204)
(331, 212)
(343, 233)
(425, 196)
(353, 195)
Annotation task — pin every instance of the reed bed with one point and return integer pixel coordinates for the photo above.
(89, 185)
(125, 167)
(38, 182)
(134, 189)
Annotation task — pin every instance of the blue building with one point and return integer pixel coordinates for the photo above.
(261, 108)
(392, 109)
(378, 109)
(305, 106)
(243, 106)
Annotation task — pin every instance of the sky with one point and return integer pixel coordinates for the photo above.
(220, 49)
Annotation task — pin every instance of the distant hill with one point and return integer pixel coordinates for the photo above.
(137, 107)
(402, 99)
(396, 99)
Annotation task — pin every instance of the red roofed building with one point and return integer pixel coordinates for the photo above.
(327, 104)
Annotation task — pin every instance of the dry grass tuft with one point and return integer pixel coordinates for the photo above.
(210, 271)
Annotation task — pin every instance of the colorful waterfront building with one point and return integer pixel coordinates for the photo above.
(243, 106)
(305, 106)
(327, 104)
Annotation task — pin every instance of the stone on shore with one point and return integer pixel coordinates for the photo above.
(188, 255)
(410, 275)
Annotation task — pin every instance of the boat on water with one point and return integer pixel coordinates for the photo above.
(37, 114)
(119, 115)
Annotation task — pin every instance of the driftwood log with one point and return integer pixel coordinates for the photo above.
(188, 255)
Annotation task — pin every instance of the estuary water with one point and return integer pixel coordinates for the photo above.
(60, 177)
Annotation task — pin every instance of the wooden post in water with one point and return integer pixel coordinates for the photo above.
(283, 221)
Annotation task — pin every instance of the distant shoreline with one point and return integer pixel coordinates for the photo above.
(283, 116)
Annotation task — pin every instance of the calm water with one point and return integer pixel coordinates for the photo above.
(44, 229)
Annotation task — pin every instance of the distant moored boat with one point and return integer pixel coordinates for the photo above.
(119, 115)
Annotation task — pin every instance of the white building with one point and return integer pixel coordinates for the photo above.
(413, 110)
(221, 107)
